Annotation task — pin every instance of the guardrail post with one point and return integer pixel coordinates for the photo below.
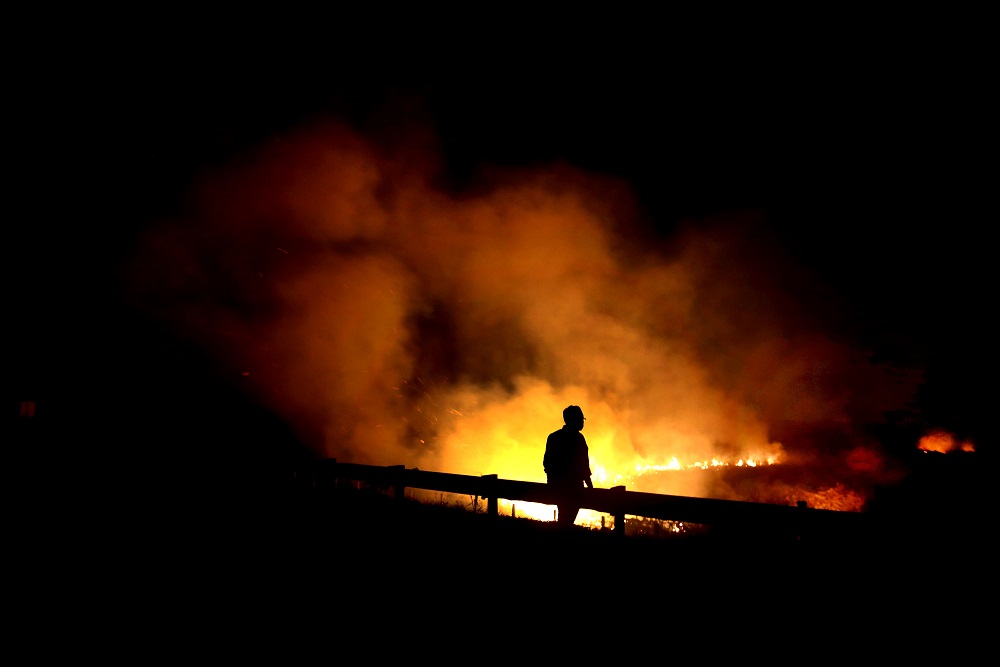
(618, 493)
(489, 490)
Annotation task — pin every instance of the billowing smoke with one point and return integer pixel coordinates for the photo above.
(393, 320)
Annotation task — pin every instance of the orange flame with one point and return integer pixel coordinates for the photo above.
(943, 442)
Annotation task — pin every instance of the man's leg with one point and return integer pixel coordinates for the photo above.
(570, 512)
(567, 515)
(569, 509)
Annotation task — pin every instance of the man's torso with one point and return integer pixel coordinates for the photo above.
(563, 452)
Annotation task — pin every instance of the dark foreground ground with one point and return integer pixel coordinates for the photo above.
(364, 577)
(366, 543)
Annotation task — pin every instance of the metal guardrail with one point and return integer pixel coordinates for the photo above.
(616, 501)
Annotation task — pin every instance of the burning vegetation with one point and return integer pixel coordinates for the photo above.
(943, 442)
(391, 317)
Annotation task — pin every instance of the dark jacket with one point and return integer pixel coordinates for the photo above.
(567, 457)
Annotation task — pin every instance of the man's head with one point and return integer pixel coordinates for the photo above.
(573, 416)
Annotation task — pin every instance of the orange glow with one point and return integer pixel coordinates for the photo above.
(390, 322)
(838, 497)
(864, 459)
(943, 442)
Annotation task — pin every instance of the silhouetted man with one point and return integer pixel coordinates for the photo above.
(567, 463)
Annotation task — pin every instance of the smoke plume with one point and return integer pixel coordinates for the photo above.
(392, 318)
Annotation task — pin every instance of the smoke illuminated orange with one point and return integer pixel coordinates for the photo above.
(392, 322)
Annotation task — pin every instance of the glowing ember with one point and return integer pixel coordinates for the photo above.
(943, 442)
